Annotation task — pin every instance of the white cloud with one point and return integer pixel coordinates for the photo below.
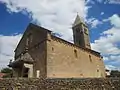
(57, 15)
(113, 1)
(102, 13)
(93, 22)
(100, 1)
(105, 58)
(90, 2)
(104, 1)
(108, 43)
(109, 1)
(115, 20)
(7, 47)
(111, 67)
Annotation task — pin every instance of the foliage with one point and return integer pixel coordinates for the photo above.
(7, 71)
(115, 73)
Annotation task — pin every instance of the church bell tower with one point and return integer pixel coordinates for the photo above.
(81, 33)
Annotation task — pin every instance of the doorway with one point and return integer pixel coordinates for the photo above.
(25, 72)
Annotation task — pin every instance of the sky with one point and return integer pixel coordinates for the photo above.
(101, 16)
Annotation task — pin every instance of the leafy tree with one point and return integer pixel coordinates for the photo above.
(115, 73)
(8, 72)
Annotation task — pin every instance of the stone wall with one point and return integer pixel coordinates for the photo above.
(60, 84)
(65, 60)
(36, 49)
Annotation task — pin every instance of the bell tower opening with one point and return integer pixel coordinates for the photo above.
(81, 33)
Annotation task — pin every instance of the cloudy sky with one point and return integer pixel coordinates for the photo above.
(101, 16)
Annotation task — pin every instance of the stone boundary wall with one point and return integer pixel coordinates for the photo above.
(59, 84)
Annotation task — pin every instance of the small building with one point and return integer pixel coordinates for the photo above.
(40, 54)
(2, 75)
(107, 73)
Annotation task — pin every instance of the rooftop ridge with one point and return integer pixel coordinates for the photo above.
(71, 44)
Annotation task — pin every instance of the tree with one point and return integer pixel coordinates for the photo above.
(115, 73)
(8, 72)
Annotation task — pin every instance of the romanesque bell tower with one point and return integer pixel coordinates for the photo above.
(81, 33)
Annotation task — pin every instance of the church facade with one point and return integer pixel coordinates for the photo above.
(40, 54)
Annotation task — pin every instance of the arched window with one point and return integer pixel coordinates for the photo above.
(52, 49)
(90, 58)
(79, 42)
(29, 39)
(75, 53)
(77, 30)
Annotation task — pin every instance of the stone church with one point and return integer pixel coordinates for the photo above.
(40, 54)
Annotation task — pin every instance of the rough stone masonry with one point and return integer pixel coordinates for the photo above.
(60, 84)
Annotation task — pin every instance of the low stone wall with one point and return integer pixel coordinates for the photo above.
(59, 84)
